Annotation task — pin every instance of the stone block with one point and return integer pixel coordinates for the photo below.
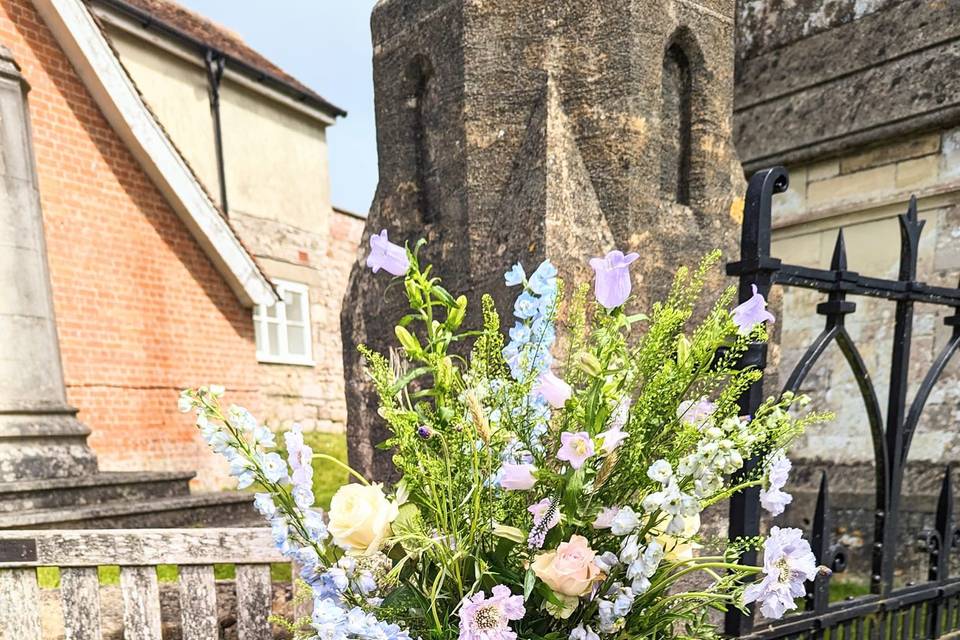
(831, 89)
(823, 170)
(900, 150)
(918, 173)
(851, 187)
(950, 163)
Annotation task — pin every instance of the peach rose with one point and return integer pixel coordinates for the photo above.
(570, 570)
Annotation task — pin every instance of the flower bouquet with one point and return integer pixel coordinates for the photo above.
(551, 485)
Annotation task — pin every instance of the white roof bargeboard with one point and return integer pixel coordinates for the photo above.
(117, 96)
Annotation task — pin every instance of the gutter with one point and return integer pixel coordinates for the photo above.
(148, 21)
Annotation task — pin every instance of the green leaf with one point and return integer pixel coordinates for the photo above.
(529, 581)
(409, 377)
(444, 296)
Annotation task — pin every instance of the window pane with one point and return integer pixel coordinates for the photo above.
(259, 337)
(272, 310)
(294, 306)
(259, 311)
(297, 341)
(273, 331)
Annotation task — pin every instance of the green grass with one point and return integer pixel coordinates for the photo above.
(327, 478)
(843, 587)
(49, 577)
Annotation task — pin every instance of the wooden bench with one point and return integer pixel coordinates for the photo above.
(138, 552)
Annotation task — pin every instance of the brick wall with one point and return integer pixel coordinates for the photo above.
(141, 312)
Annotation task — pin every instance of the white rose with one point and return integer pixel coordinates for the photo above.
(360, 517)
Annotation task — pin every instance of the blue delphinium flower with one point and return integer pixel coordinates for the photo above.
(274, 468)
(528, 352)
(515, 275)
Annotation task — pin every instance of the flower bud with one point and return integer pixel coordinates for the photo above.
(683, 350)
(407, 340)
(456, 313)
(589, 364)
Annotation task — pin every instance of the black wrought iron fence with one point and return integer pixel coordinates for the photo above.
(928, 610)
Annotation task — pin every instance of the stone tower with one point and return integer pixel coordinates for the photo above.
(527, 129)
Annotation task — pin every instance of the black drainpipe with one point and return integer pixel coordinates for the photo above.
(215, 62)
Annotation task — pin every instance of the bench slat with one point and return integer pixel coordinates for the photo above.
(80, 593)
(19, 598)
(198, 603)
(141, 603)
(143, 547)
(254, 601)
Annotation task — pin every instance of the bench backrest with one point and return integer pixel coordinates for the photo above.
(137, 552)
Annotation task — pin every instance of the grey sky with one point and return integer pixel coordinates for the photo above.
(326, 45)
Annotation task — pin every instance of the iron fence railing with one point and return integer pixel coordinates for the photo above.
(928, 610)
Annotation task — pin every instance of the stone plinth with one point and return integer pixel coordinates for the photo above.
(40, 436)
(544, 128)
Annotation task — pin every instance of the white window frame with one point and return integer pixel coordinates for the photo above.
(261, 318)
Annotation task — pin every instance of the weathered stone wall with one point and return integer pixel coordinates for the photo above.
(863, 193)
(861, 100)
(817, 79)
(518, 130)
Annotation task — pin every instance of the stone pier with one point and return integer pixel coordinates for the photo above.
(544, 128)
(40, 437)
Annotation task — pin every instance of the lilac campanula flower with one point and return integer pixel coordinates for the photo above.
(554, 390)
(517, 477)
(386, 255)
(576, 448)
(611, 438)
(612, 283)
(788, 562)
(606, 561)
(751, 313)
(515, 275)
(483, 618)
